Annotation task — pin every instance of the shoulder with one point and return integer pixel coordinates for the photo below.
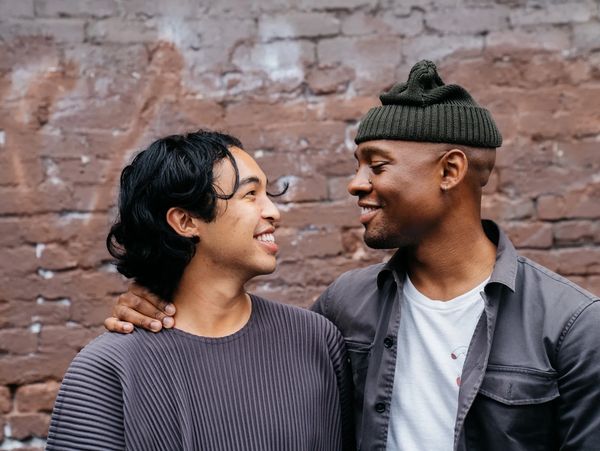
(551, 287)
(354, 283)
(112, 349)
(348, 292)
(560, 302)
(358, 278)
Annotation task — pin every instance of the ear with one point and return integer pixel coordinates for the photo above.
(183, 223)
(454, 166)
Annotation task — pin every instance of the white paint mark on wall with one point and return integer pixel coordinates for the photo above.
(40, 300)
(45, 273)
(35, 328)
(39, 250)
(349, 134)
(85, 159)
(173, 28)
(259, 154)
(2, 138)
(52, 172)
(71, 216)
(281, 61)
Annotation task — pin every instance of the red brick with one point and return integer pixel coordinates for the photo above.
(72, 336)
(296, 245)
(69, 31)
(319, 215)
(361, 54)
(34, 368)
(347, 109)
(478, 20)
(21, 8)
(530, 234)
(437, 48)
(553, 13)
(36, 397)
(256, 112)
(363, 23)
(118, 30)
(297, 24)
(80, 8)
(328, 81)
(293, 136)
(579, 261)
(585, 37)
(338, 188)
(575, 232)
(501, 208)
(28, 425)
(18, 341)
(23, 313)
(335, 4)
(5, 400)
(579, 204)
(538, 38)
(304, 189)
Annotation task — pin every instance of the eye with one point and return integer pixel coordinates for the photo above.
(250, 194)
(377, 168)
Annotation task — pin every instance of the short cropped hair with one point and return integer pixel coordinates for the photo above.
(176, 171)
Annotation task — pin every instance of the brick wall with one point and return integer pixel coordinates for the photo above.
(84, 83)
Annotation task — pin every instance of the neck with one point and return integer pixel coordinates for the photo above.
(210, 301)
(452, 261)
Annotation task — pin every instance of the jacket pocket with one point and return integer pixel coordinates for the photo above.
(516, 386)
(515, 409)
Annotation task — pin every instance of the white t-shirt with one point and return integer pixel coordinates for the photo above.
(433, 339)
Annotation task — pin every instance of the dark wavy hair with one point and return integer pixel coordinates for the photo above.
(176, 171)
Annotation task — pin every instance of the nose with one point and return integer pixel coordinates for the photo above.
(359, 184)
(270, 211)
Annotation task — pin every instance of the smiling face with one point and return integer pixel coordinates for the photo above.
(240, 239)
(398, 188)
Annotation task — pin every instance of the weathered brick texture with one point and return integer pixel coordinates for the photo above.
(84, 84)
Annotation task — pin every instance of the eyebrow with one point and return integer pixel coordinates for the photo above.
(370, 151)
(249, 180)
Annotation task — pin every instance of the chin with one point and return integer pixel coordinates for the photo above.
(265, 268)
(375, 241)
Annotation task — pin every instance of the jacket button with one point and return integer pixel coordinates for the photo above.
(388, 342)
(380, 407)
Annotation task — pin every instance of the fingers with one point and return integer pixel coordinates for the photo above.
(114, 325)
(139, 307)
(149, 321)
(158, 303)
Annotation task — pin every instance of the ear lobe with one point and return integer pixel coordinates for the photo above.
(454, 168)
(182, 223)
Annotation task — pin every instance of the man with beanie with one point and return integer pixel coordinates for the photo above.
(457, 342)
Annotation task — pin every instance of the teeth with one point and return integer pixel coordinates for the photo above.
(365, 210)
(266, 237)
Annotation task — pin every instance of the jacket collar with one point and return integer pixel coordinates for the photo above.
(505, 269)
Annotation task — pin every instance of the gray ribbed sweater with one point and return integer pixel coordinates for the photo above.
(281, 383)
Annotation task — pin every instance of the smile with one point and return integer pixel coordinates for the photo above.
(367, 213)
(267, 242)
(266, 237)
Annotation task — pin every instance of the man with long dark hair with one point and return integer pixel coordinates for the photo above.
(238, 372)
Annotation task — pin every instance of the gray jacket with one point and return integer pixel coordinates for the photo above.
(531, 377)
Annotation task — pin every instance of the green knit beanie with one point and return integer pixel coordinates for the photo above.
(425, 109)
